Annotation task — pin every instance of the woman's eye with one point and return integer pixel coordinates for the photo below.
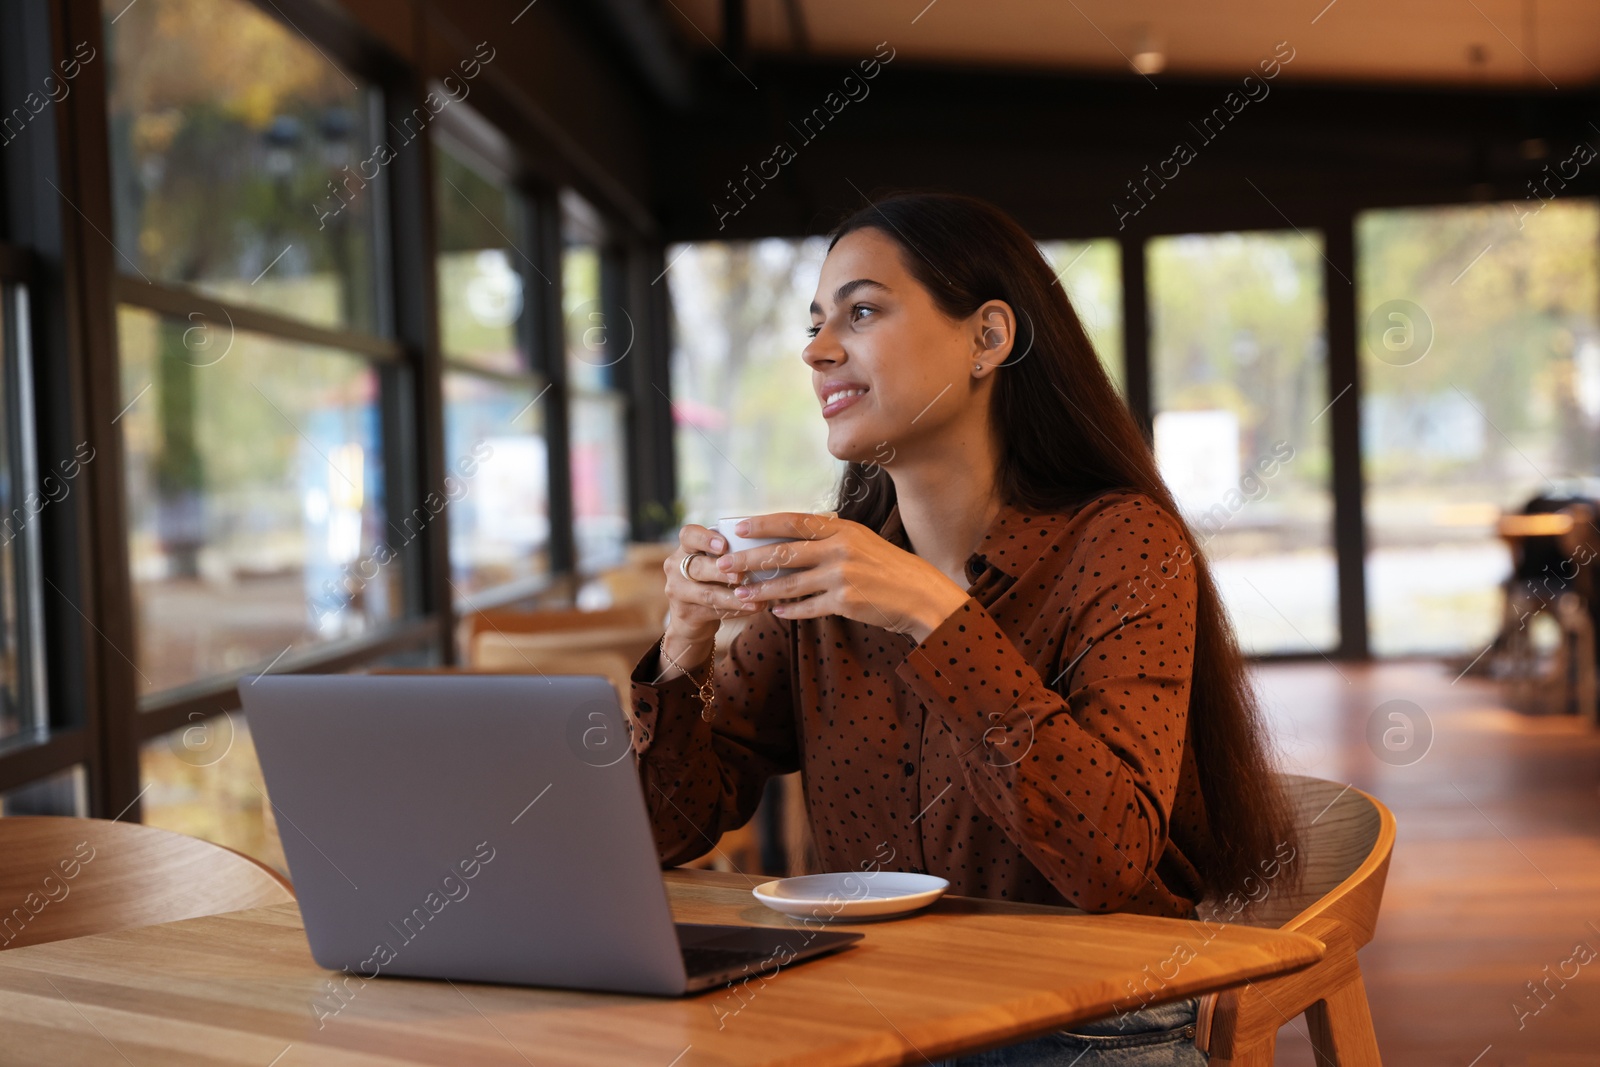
(856, 311)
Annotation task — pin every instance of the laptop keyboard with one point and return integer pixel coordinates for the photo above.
(699, 961)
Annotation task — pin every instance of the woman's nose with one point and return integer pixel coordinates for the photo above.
(821, 349)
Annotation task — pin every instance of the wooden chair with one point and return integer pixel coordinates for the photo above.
(66, 877)
(509, 621)
(1346, 838)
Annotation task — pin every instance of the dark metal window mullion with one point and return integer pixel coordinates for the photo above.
(549, 353)
(1136, 334)
(1344, 432)
(412, 405)
(644, 376)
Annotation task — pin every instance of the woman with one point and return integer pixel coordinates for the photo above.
(1002, 662)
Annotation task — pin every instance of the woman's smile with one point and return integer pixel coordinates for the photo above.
(837, 402)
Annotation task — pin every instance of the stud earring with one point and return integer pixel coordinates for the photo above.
(977, 366)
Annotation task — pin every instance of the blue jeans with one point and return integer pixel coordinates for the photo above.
(1159, 1036)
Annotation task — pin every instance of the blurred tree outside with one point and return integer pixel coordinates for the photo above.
(226, 130)
(1238, 372)
(1486, 390)
(749, 431)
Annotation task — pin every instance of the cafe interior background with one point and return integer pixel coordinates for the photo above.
(341, 334)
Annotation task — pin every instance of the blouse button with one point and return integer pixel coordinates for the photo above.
(911, 768)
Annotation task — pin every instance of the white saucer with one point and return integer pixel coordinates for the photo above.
(851, 894)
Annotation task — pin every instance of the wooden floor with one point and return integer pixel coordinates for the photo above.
(1495, 880)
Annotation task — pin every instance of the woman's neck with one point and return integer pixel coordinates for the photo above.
(947, 503)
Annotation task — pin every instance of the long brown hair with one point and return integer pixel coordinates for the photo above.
(1067, 437)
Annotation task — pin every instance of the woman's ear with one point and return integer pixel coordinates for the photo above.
(995, 331)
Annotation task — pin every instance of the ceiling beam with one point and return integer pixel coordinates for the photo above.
(1076, 156)
(652, 48)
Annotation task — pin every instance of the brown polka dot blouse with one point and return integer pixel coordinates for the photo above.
(1031, 748)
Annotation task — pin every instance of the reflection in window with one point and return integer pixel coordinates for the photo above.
(750, 437)
(598, 337)
(500, 526)
(24, 494)
(1091, 274)
(242, 160)
(1239, 381)
(1480, 368)
(480, 267)
(255, 499)
(203, 780)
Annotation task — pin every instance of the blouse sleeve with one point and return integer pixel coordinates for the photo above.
(701, 779)
(1084, 782)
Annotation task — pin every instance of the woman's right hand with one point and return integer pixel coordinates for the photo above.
(699, 603)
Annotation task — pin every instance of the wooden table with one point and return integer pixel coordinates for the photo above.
(964, 975)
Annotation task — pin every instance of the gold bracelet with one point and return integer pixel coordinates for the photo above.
(708, 692)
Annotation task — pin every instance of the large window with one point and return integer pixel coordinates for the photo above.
(1481, 371)
(493, 410)
(255, 470)
(1239, 380)
(246, 229)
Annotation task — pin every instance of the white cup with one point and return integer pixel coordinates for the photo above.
(725, 527)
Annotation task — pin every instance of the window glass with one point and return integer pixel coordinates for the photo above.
(1238, 369)
(243, 161)
(495, 443)
(599, 500)
(1091, 274)
(749, 431)
(255, 498)
(589, 356)
(1480, 369)
(480, 266)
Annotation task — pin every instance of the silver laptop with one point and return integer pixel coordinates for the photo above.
(488, 828)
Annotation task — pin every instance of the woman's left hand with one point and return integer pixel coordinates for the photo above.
(848, 570)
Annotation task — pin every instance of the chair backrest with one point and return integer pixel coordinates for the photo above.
(508, 621)
(66, 877)
(1346, 838)
(547, 652)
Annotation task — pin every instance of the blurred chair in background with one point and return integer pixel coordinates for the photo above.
(1555, 550)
